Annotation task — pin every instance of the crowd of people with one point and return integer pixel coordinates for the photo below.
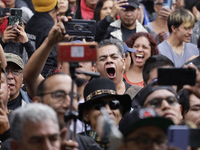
(116, 102)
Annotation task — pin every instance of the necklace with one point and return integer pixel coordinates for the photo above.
(177, 55)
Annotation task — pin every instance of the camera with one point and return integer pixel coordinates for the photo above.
(80, 27)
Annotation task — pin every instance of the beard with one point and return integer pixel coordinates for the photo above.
(80, 82)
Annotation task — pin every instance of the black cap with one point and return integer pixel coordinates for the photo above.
(101, 88)
(133, 3)
(150, 88)
(140, 118)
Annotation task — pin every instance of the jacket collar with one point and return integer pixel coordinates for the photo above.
(118, 34)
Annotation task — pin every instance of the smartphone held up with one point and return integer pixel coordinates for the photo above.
(167, 4)
(15, 17)
(176, 76)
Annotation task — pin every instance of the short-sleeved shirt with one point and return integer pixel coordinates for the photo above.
(178, 60)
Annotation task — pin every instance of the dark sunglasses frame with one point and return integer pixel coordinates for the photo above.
(171, 100)
(113, 104)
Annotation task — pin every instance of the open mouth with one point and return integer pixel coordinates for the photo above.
(11, 85)
(111, 72)
(139, 57)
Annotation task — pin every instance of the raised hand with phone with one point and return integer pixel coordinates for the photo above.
(15, 30)
(165, 13)
(15, 33)
(159, 26)
(118, 5)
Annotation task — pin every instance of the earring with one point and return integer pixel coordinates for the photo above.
(86, 115)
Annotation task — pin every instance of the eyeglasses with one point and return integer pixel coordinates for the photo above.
(60, 95)
(14, 72)
(157, 102)
(113, 104)
(159, 4)
(146, 142)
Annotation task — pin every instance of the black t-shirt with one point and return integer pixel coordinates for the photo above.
(15, 103)
(126, 33)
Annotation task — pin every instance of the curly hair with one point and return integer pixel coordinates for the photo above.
(153, 44)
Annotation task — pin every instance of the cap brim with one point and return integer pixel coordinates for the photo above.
(133, 5)
(160, 122)
(14, 63)
(131, 50)
(125, 102)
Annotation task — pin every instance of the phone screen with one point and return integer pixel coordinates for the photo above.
(167, 4)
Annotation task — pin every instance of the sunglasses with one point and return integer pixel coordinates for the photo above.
(113, 104)
(157, 102)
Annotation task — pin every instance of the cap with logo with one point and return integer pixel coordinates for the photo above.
(143, 117)
(10, 57)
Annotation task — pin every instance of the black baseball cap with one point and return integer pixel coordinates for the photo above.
(133, 3)
(150, 88)
(140, 118)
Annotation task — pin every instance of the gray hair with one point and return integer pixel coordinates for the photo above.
(116, 42)
(34, 112)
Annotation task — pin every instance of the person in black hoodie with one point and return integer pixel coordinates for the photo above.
(39, 26)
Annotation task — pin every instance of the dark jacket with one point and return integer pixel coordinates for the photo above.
(37, 30)
(101, 29)
(86, 143)
(24, 50)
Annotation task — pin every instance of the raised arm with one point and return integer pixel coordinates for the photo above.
(35, 64)
(2, 58)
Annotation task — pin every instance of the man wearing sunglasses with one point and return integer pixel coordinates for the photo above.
(163, 99)
(99, 93)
